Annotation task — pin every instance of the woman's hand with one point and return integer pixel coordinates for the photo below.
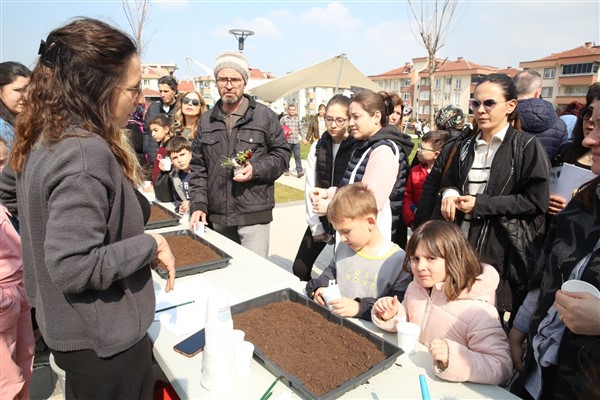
(448, 208)
(579, 312)
(166, 260)
(516, 338)
(345, 307)
(557, 203)
(465, 204)
(386, 308)
(439, 352)
(317, 296)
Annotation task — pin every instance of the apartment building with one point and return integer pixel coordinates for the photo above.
(568, 74)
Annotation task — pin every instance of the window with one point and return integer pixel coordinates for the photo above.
(579, 69)
(405, 82)
(475, 79)
(437, 83)
(424, 81)
(424, 95)
(547, 92)
(457, 83)
(406, 96)
(425, 110)
(146, 82)
(446, 96)
(456, 98)
(449, 81)
(575, 91)
(549, 73)
(436, 98)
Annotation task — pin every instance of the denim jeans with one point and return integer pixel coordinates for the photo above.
(295, 147)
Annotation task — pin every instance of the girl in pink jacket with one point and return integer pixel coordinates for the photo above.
(452, 299)
(16, 335)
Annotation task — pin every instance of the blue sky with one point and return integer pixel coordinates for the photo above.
(290, 35)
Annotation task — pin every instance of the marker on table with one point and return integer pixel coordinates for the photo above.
(424, 388)
(175, 306)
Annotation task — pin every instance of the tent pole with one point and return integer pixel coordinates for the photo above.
(337, 84)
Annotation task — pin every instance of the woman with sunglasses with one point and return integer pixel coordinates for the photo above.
(496, 188)
(189, 109)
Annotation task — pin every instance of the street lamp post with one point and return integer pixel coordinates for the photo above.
(241, 35)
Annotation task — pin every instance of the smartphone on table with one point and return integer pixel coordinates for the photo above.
(192, 345)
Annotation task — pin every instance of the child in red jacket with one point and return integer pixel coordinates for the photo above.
(427, 151)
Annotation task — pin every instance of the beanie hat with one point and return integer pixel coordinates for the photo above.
(234, 60)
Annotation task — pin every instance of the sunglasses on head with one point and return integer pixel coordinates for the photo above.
(195, 102)
(586, 113)
(488, 104)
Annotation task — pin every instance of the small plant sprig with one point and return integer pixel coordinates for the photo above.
(241, 158)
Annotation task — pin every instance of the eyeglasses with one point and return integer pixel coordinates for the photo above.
(225, 81)
(338, 121)
(135, 90)
(421, 148)
(488, 104)
(586, 113)
(195, 102)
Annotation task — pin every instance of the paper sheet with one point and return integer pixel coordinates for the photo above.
(570, 178)
(187, 318)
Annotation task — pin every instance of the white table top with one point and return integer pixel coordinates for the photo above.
(249, 276)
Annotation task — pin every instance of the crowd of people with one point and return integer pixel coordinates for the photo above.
(481, 270)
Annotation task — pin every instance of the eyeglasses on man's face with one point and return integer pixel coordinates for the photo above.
(195, 102)
(222, 82)
(338, 121)
(421, 148)
(488, 105)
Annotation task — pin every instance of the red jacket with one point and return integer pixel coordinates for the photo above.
(412, 192)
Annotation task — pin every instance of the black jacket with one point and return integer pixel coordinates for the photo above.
(538, 117)
(516, 194)
(572, 236)
(212, 188)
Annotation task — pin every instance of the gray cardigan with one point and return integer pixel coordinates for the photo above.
(85, 254)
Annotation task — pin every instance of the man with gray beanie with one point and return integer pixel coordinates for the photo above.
(237, 201)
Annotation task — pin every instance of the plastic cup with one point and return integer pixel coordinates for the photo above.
(331, 292)
(166, 163)
(243, 358)
(575, 285)
(238, 336)
(408, 336)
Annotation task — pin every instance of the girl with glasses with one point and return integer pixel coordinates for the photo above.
(380, 162)
(189, 109)
(496, 188)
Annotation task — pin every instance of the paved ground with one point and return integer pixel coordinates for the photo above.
(289, 224)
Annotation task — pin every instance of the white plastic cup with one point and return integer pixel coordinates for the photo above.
(166, 163)
(238, 336)
(218, 374)
(331, 292)
(575, 285)
(408, 336)
(243, 358)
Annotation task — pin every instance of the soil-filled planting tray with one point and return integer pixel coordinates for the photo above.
(193, 254)
(161, 217)
(316, 353)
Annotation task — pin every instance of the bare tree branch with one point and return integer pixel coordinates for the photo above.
(137, 13)
(433, 20)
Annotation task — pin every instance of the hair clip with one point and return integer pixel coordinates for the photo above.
(49, 51)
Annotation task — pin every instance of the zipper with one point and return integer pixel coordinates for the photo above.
(426, 313)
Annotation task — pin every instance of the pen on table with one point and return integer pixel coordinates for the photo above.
(268, 392)
(175, 306)
(424, 389)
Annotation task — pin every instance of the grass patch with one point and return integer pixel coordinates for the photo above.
(284, 193)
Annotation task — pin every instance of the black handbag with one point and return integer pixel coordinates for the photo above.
(163, 188)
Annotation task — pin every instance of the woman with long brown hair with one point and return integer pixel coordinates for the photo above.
(82, 221)
(188, 110)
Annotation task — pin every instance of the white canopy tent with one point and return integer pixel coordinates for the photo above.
(337, 72)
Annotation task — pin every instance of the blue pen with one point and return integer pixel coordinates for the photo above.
(424, 389)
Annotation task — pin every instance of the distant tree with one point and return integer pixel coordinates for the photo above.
(433, 20)
(137, 12)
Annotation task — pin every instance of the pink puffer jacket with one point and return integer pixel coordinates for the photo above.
(477, 345)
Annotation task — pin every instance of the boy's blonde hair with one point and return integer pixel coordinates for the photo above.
(351, 201)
